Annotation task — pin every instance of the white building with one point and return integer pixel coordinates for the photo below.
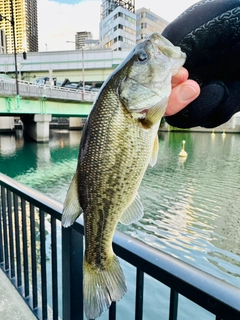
(147, 23)
(118, 24)
(122, 27)
(81, 38)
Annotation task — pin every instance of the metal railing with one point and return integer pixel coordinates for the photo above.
(30, 255)
(32, 90)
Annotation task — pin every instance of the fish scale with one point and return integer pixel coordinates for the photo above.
(118, 142)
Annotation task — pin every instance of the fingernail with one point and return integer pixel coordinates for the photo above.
(187, 93)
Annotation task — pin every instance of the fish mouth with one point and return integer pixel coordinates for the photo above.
(163, 45)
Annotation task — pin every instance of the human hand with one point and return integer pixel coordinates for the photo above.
(183, 92)
(209, 33)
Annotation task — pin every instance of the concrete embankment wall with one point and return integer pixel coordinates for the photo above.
(231, 126)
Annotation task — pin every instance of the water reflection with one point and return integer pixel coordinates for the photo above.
(191, 206)
(9, 144)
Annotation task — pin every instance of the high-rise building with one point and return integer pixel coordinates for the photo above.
(3, 42)
(118, 24)
(147, 23)
(81, 37)
(26, 24)
(122, 27)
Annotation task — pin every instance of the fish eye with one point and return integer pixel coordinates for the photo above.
(142, 56)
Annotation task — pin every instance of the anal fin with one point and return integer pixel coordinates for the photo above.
(134, 212)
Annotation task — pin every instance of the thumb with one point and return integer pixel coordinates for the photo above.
(181, 96)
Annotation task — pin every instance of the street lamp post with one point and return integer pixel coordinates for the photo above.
(83, 81)
(12, 21)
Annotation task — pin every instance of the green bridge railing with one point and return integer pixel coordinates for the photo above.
(43, 99)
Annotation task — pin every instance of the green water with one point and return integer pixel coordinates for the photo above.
(192, 205)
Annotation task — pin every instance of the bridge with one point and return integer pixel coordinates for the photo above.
(36, 104)
(43, 99)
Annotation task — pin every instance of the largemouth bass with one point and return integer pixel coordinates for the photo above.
(118, 142)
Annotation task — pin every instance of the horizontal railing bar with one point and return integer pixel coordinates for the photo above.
(33, 196)
(213, 294)
(28, 89)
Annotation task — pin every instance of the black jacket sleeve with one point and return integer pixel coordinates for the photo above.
(209, 33)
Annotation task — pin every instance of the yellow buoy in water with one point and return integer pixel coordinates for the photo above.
(183, 153)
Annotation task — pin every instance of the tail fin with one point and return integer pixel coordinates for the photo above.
(101, 287)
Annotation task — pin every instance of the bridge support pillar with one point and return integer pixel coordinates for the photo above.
(38, 129)
(75, 123)
(6, 124)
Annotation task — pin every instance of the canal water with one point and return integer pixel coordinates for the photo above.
(192, 205)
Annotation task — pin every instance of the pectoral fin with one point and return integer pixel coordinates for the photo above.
(134, 212)
(154, 114)
(154, 156)
(71, 207)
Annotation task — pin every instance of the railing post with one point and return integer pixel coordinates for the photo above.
(1, 231)
(17, 242)
(10, 234)
(173, 305)
(25, 248)
(72, 258)
(4, 226)
(139, 295)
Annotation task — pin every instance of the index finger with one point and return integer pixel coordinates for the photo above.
(179, 77)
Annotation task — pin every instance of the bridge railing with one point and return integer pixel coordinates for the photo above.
(32, 90)
(44, 262)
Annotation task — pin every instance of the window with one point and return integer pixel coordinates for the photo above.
(129, 30)
(143, 35)
(129, 19)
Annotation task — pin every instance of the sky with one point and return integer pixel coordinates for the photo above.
(59, 20)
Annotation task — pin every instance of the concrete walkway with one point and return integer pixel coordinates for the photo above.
(12, 306)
